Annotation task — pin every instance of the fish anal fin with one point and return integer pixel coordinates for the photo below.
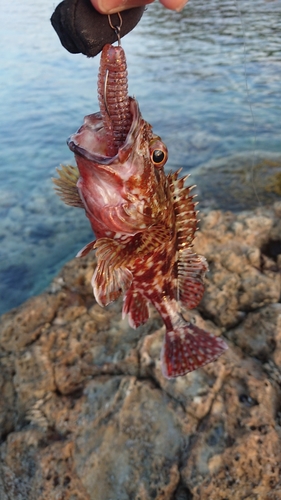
(187, 348)
(136, 307)
(108, 284)
(66, 186)
(191, 271)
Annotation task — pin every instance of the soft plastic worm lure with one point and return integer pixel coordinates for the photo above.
(113, 97)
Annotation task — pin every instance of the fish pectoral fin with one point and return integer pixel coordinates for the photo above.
(108, 284)
(191, 271)
(118, 254)
(136, 306)
(86, 249)
(187, 348)
(110, 251)
(66, 185)
(152, 239)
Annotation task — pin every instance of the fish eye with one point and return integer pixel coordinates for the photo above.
(158, 156)
(158, 152)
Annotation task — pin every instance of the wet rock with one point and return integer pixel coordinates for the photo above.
(85, 412)
(242, 276)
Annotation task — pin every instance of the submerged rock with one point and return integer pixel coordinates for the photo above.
(240, 182)
(85, 412)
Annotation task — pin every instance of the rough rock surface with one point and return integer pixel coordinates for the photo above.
(85, 413)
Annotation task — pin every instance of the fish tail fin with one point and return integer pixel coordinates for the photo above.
(187, 347)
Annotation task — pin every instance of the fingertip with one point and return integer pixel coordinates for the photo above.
(105, 7)
(114, 6)
(176, 5)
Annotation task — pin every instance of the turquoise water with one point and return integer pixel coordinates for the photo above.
(187, 71)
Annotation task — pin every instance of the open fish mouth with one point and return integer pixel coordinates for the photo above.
(90, 140)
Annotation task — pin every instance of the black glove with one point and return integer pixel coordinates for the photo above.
(81, 28)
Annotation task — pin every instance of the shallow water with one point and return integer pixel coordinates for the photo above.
(193, 74)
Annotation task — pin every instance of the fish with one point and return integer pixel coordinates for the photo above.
(144, 220)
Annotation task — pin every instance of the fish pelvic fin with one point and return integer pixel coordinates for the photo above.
(187, 348)
(136, 307)
(108, 284)
(191, 271)
(66, 186)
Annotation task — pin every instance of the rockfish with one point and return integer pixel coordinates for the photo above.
(144, 220)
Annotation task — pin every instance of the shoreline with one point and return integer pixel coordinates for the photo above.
(83, 393)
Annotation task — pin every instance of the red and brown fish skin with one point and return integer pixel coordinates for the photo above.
(145, 223)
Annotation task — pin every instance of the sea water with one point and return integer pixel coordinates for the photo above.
(207, 79)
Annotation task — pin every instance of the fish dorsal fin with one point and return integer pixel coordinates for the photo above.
(184, 208)
(108, 284)
(136, 306)
(191, 268)
(191, 271)
(66, 186)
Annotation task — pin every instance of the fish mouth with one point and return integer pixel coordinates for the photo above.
(90, 139)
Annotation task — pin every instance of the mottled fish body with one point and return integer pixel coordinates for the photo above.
(144, 222)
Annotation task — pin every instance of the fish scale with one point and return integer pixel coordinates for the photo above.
(145, 223)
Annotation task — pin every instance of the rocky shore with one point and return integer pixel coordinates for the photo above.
(85, 413)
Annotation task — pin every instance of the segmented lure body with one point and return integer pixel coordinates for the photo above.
(113, 97)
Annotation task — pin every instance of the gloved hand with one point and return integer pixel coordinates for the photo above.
(81, 28)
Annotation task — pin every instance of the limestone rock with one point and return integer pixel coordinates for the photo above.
(85, 413)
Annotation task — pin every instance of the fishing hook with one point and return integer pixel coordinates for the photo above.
(117, 29)
(104, 91)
